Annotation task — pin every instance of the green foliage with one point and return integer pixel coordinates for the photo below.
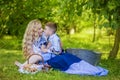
(77, 14)
(15, 14)
(68, 14)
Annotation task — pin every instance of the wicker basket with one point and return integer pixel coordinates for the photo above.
(32, 61)
(37, 58)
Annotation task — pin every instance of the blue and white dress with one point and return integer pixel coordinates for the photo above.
(71, 64)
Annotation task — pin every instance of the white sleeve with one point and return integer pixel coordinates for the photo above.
(56, 45)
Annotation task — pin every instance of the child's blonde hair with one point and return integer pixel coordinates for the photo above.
(31, 34)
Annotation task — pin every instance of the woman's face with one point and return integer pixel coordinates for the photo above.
(40, 30)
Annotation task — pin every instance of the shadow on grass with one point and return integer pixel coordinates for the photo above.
(112, 65)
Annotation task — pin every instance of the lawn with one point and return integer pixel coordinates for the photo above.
(10, 50)
(8, 71)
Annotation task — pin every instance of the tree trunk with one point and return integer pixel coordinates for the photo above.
(94, 33)
(115, 49)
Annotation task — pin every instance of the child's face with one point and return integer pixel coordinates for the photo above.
(48, 31)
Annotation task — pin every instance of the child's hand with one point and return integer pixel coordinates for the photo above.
(43, 49)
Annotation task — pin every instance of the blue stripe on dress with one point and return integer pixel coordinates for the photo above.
(71, 64)
(63, 61)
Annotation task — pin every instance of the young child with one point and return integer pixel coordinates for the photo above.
(53, 47)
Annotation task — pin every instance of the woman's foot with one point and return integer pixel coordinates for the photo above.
(46, 65)
(18, 64)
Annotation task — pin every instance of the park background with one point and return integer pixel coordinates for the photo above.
(85, 24)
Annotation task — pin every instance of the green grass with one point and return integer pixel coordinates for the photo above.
(10, 50)
(8, 71)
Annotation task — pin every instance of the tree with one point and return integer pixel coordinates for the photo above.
(113, 16)
(110, 10)
(15, 14)
(115, 49)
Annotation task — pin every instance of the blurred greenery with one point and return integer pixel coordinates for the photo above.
(77, 14)
(88, 24)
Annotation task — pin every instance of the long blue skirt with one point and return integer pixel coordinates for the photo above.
(71, 64)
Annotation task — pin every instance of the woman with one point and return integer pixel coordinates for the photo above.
(35, 41)
(32, 36)
(32, 42)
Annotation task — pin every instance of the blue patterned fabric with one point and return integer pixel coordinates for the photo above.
(63, 61)
(41, 41)
(71, 64)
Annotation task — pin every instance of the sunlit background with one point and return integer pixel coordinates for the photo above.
(84, 24)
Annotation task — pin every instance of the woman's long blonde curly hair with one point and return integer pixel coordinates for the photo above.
(30, 36)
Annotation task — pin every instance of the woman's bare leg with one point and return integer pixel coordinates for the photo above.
(18, 64)
(32, 60)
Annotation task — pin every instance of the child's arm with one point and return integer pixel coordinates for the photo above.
(56, 47)
(46, 48)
